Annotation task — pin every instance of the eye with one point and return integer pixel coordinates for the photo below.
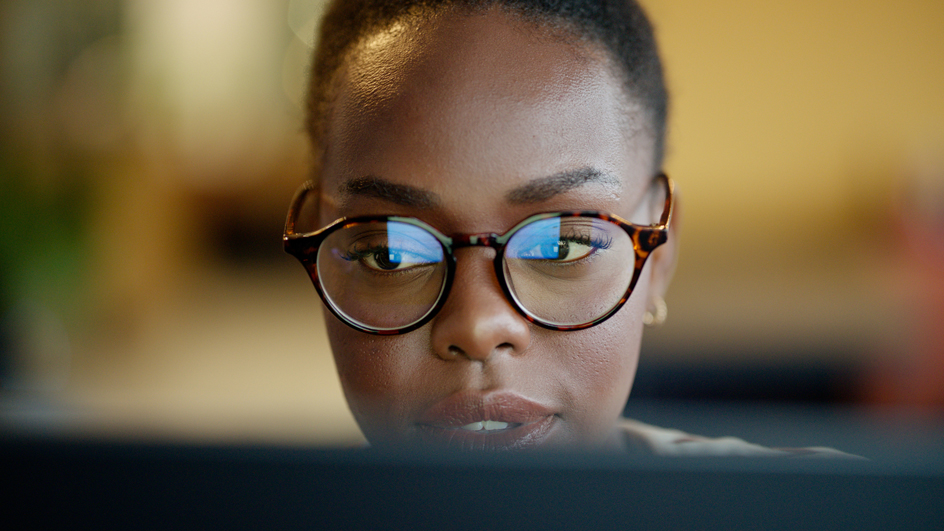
(571, 250)
(393, 247)
(383, 258)
(555, 249)
(555, 241)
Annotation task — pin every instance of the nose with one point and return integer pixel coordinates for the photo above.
(477, 321)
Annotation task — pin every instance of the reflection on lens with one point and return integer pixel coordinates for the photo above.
(569, 270)
(382, 275)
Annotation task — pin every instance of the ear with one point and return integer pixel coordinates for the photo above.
(662, 261)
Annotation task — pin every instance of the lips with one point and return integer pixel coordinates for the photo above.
(471, 420)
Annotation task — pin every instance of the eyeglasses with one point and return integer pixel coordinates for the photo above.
(560, 270)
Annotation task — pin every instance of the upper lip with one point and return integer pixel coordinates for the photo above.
(466, 407)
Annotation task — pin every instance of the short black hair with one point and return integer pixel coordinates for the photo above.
(619, 26)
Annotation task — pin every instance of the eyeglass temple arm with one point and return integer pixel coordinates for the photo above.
(669, 196)
(653, 236)
(296, 204)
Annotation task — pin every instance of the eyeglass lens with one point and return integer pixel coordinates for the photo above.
(569, 270)
(562, 270)
(382, 275)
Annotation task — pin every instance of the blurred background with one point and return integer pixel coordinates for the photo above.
(148, 152)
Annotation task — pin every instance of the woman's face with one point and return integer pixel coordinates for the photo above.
(466, 120)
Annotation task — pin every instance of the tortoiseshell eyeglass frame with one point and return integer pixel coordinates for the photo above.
(304, 247)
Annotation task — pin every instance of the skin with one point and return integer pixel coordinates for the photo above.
(472, 115)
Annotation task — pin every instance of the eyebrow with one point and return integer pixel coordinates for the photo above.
(535, 191)
(400, 194)
(544, 188)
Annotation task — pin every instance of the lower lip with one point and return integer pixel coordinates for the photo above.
(520, 437)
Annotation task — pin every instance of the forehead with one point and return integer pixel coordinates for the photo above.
(458, 103)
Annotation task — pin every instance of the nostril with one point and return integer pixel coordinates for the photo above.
(455, 352)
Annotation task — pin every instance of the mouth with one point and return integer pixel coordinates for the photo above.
(471, 420)
(489, 426)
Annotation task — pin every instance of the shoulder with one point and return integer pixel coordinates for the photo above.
(670, 442)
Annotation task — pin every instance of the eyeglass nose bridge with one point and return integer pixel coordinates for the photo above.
(482, 239)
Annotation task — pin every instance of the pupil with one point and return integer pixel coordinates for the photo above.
(555, 251)
(387, 260)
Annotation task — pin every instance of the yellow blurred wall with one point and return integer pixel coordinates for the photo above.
(791, 110)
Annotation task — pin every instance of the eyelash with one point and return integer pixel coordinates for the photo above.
(360, 255)
(599, 243)
(355, 255)
(574, 237)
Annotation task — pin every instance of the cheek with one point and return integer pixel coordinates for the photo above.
(608, 362)
(378, 375)
(367, 369)
(600, 371)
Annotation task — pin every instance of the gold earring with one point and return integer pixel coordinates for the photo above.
(662, 310)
